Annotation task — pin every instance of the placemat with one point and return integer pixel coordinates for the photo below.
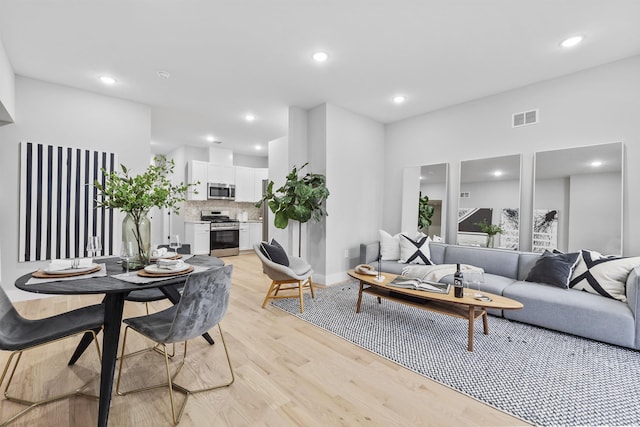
(100, 273)
(42, 274)
(132, 277)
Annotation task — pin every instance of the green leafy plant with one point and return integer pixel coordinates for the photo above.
(136, 195)
(425, 212)
(300, 199)
(490, 229)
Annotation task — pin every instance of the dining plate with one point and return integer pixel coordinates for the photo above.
(43, 274)
(154, 269)
(168, 255)
(165, 272)
(70, 270)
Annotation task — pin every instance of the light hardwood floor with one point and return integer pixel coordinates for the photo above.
(288, 373)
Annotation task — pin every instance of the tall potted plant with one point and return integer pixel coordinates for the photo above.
(425, 212)
(136, 195)
(299, 199)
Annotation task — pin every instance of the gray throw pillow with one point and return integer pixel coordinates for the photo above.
(275, 252)
(554, 269)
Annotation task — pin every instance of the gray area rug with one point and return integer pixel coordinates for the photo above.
(542, 376)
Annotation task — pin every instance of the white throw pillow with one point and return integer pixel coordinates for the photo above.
(415, 251)
(389, 246)
(602, 275)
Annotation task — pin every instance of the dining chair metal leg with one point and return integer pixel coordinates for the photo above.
(176, 413)
(35, 403)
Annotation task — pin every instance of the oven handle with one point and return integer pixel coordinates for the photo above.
(225, 228)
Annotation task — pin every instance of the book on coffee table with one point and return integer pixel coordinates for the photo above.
(419, 284)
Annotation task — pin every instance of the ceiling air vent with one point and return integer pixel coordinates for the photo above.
(525, 118)
(464, 195)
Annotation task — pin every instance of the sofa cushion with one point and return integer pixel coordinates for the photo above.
(494, 261)
(415, 251)
(389, 246)
(603, 275)
(437, 252)
(574, 312)
(553, 269)
(526, 261)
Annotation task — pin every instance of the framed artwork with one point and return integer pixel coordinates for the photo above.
(510, 224)
(58, 210)
(545, 229)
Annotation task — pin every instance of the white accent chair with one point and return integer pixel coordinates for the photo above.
(298, 274)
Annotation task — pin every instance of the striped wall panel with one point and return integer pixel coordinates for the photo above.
(58, 211)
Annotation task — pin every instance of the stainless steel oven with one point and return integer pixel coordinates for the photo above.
(225, 239)
(225, 234)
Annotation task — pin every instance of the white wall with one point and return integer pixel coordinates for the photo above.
(595, 106)
(278, 169)
(51, 114)
(355, 177)
(250, 161)
(7, 88)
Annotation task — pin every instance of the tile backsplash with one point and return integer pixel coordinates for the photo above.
(192, 209)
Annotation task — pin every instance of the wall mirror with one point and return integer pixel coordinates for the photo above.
(430, 181)
(433, 184)
(490, 193)
(578, 199)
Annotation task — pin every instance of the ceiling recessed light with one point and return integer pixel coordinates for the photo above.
(210, 138)
(497, 173)
(249, 117)
(572, 41)
(258, 147)
(164, 74)
(399, 99)
(320, 56)
(108, 80)
(596, 163)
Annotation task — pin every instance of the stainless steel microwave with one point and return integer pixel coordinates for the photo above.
(219, 191)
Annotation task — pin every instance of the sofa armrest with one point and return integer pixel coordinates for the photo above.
(369, 252)
(633, 292)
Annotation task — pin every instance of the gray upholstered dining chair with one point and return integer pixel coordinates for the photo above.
(203, 304)
(298, 273)
(18, 334)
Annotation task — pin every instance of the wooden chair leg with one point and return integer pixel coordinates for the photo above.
(301, 296)
(311, 288)
(271, 288)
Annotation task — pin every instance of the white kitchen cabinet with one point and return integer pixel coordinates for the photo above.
(197, 172)
(255, 233)
(245, 184)
(249, 183)
(220, 174)
(245, 236)
(197, 234)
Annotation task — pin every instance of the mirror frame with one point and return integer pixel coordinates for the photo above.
(411, 188)
(559, 225)
(501, 215)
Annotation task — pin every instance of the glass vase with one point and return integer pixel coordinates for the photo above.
(139, 233)
(490, 240)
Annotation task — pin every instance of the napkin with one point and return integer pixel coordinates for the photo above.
(68, 264)
(159, 252)
(171, 264)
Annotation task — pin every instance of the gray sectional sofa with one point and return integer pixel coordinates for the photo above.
(566, 310)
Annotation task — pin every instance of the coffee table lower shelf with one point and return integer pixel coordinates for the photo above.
(470, 312)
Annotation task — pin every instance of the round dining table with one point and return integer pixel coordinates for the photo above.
(115, 291)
